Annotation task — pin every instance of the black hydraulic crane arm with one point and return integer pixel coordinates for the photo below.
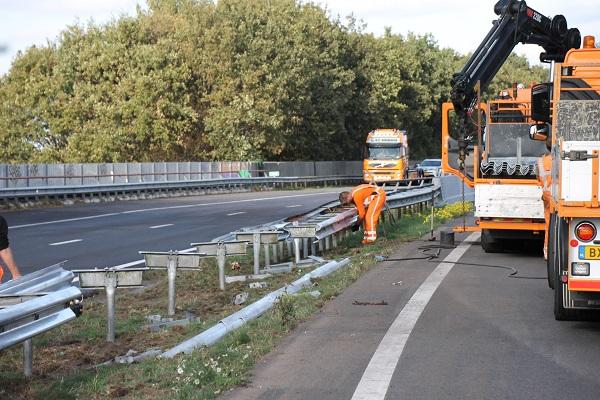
(517, 23)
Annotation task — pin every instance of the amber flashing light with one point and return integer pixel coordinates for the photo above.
(589, 42)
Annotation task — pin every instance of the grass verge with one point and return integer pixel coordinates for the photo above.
(66, 359)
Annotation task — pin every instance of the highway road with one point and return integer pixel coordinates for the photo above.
(448, 331)
(111, 234)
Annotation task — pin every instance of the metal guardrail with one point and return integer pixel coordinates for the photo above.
(38, 302)
(334, 219)
(181, 187)
(45, 280)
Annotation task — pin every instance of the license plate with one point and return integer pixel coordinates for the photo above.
(589, 252)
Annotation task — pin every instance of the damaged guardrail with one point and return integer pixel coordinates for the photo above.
(253, 311)
(335, 219)
(38, 302)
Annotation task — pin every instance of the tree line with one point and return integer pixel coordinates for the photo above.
(236, 79)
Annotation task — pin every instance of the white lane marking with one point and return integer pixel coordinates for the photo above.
(138, 262)
(376, 379)
(236, 213)
(167, 208)
(65, 242)
(294, 206)
(161, 226)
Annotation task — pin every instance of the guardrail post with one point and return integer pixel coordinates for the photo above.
(280, 250)
(327, 243)
(267, 255)
(275, 255)
(334, 240)
(305, 247)
(297, 251)
(289, 245)
(111, 286)
(221, 254)
(171, 275)
(432, 211)
(313, 248)
(256, 250)
(28, 358)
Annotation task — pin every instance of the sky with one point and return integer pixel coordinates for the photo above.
(460, 24)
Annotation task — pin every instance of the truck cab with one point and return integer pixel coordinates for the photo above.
(386, 156)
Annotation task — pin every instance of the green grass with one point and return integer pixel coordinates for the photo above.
(207, 372)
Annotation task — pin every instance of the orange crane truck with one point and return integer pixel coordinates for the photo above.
(567, 112)
(503, 170)
(489, 147)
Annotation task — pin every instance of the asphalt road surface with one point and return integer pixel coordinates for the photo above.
(111, 234)
(448, 331)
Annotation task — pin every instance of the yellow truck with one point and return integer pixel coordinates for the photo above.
(386, 156)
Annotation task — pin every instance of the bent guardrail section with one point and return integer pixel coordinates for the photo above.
(34, 304)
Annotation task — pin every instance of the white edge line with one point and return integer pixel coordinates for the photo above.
(236, 213)
(376, 379)
(63, 220)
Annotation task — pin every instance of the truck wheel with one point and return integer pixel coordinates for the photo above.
(561, 234)
(488, 244)
(551, 261)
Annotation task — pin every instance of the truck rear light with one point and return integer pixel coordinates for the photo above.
(585, 231)
(574, 243)
(580, 269)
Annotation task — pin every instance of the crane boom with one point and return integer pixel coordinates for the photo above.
(517, 23)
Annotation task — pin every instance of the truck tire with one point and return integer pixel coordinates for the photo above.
(488, 244)
(551, 253)
(561, 258)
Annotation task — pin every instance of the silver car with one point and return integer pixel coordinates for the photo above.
(431, 167)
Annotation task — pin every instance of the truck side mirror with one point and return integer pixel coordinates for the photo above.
(539, 132)
(541, 95)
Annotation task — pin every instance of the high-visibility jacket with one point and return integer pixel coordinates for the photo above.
(369, 201)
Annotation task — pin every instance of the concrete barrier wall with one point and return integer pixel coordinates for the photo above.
(42, 175)
(452, 190)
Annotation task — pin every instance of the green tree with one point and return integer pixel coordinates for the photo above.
(235, 79)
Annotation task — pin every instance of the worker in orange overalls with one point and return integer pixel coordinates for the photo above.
(373, 198)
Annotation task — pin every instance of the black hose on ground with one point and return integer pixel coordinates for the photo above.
(434, 258)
